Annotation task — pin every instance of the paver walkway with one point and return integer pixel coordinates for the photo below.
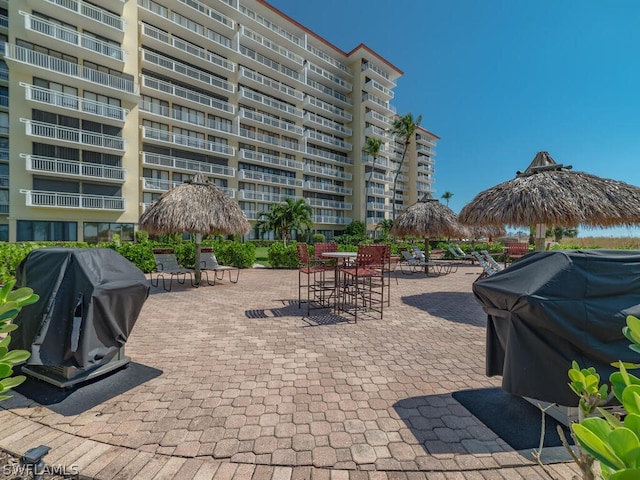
(251, 389)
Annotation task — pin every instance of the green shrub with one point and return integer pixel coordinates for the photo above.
(141, 236)
(283, 257)
(318, 238)
(140, 254)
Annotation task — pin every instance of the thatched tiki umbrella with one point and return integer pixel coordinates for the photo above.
(197, 207)
(427, 218)
(548, 193)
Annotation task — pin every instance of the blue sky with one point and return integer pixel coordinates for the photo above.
(499, 80)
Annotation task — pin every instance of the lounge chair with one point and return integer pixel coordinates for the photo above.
(409, 261)
(487, 269)
(208, 261)
(464, 257)
(492, 261)
(167, 266)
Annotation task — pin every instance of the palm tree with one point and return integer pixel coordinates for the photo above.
(447, 196)
(403, 127)
(285, 218)
(372, 147)
(385, 227)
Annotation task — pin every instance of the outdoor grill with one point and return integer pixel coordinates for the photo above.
(90, 299)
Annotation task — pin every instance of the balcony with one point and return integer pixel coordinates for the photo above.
(269, 25)
(250, 214)
(189, 118)
(4, 75)
(379, 207)
(266, 120)
(329, 60)
(74, 103)
(70, 168)
(263, 196)
(72, 135)
(331, 220)
(4, 21)
(424, 149)
(4, 181)
(4, 155)
(270, 178)
(325, 107)
(431, 142)
(329, 172)
(187, 141)
(323, 154)
(267, 46)
(316, 120)
(39, 198)
(379, 192)
(283, 71)
(187, 48)
(378, 89)
(319, 203)
(375, 102)
(373, 131)
(210, 12)
(183, 93)
(329, 93)
(269, 83)
(266, 159)
(263, 100)
(72, 37)
(187, 165)
(327, 187)
(427, 170)
(52, 64)
(91, 13)
(320, 72)
(426, 160)
(329, 140)
(379, 177)
(377, 118)
(378, 162)
(382, 75)
(193, 74)
(273, 141)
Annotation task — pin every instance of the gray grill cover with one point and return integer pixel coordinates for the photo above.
(550, 308)
(90, 299)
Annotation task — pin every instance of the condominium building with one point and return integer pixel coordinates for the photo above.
(106, 105)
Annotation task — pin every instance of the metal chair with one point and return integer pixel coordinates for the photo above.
(361, 286)
(319, 289)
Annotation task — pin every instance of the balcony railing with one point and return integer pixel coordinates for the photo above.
(73, 37)
(46, 62)
(40, 198)
(72, 102)
(329, 76)
(328, 139)
(270, 159)
(329, 59)
(269, 83)
(188, 71)
(331, 172)
(4, 154)
(380, 192)
(270, 102)
(92, 12)
(270, 178)
(269, 63)
(35, 163)
(186, 140)
(275, 141)
(327, 107)
(263, 196)
(329, 156)
(379, 87)
(198, 120)
(188, 165)
(4, 181)
(324, 122)
(328, 187)
(371, 67)
(319, 203)
(210, 12)
(378, 101)
(188, 48)
(271, 26)
(72, 135)
(331, 220)
(181, 92)
(4, 21)
(290, 128)
(274, 47)
(328, 91)
(379, 207)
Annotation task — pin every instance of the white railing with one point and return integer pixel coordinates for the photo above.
(330, 60)
(329, 76)
(328, 187)
(331, 172)
(187, 47)
(35, 163)
(318, 120)
(268, 62)
(261, 137)
(328, 155)
(320, 137)
(370, 66)
(271, 26)
(328, 91)
(188, 71)
(327, 107)
(379, 162)
(189, 117)
(331, 220)
(269, 178)
(186, 140)
(378, 101)
(4, 154)
(185, 164)
(379, 87)
(274, 47)
(380, 207)
(381, 192)
(73, 135)
(271, 121)
(263, 196)
(373, 115)
(72, 102)
(181, 92)
(4, 21)
(269, 83)
(270, 102)
(92, 12)
(318, 203)
(210, 12)
(378, 132)
(4, 181)
(270, 159)
(46, 62)
(73, 37)
(39, 198)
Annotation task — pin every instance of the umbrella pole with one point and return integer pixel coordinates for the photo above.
(541, 237)
(426, 256)
(198, 266)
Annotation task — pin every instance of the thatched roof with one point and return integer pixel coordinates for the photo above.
(195, 207)
(553, 194)
(427, 218)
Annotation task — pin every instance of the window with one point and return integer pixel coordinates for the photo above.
(41, 231)
(4, 233)
(95, 232)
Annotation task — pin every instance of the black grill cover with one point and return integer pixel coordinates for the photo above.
(90, 299)
(550, 308)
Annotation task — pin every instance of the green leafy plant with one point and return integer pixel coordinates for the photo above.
(11, 302)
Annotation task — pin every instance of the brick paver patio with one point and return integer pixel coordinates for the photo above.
(249, 389)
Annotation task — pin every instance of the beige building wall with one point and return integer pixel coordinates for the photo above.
(266, 108)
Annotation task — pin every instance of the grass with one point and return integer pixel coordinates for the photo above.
(626, 243)
(262, 257)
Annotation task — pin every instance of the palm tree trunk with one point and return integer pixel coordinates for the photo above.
(395, 182)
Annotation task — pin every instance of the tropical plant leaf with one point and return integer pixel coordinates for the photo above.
(7, 287)
(9, 327)
(9, 314)
(5, 370)
(627, 474)
(5, 342)
(9, 383)
(623, 442)
(631, 399)
(15, 356)
(592, 436)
